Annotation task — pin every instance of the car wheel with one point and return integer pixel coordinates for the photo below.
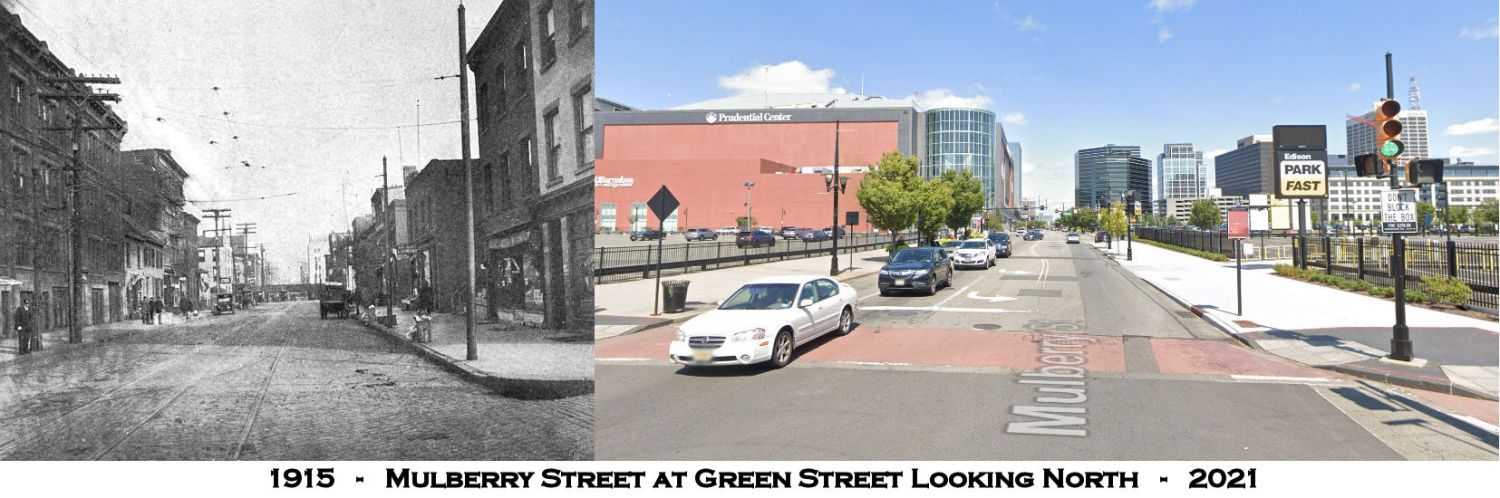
(932, 286)
(884, 293)
(782, 354)
(846, 322)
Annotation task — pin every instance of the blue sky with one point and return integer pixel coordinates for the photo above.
(1074, 74)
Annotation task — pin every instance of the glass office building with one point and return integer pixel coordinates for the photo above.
(1180, 173)
(963, 140)
(1103, 174)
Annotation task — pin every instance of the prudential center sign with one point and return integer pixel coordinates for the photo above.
(745, 117)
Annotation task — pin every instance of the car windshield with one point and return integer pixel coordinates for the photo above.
(761, 297)
(911, 256)
(1072, 234)
(972, 244)
(951, 244)
(1000, 237)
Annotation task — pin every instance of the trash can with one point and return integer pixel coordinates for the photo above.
(674, 296)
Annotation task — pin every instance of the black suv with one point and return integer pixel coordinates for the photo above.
(645, 235)
(754, 238)
(1002, 244)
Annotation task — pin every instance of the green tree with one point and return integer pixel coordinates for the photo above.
(933, 202)
(967, 194)
(1086, 220)
(1112, 220)
(1424, 211)
(1488, 214)
(886, 192)
(1205, 214)
(745, 223)
(1458, 216)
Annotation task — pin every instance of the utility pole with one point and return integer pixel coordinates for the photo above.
(80, 100)
(390, 227)
(835, 187)
(246, 229)
(1401, 347)
(216, 215)
(471, 344)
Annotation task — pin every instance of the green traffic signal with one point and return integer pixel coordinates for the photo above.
(1391, 148)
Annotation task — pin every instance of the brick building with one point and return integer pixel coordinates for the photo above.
(436, 215)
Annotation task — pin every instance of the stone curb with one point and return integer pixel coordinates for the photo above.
(527, 389)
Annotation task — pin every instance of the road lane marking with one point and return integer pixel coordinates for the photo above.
(1041, 278)
(994, 299)
(1275, 378)
(939, 308)
(955, 294)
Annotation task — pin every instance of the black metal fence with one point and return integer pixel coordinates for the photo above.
(615, 264)
(1258, 247)
(1369, 259)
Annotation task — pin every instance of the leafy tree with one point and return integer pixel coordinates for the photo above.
(745, 223)
(1488, 214)
(967, 194)
(1205, 214)
(1424, 210)
(1086, 220)
(885, 193)
(1458, 216)
(933, 202)
(1113, 221)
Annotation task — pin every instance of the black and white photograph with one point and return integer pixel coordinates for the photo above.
(288, 230)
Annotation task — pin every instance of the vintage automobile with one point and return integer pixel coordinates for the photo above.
(332, 300)
(224, 303)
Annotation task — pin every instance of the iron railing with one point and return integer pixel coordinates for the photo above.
(615, 264)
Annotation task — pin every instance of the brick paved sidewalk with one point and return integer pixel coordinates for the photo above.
(1325, 327)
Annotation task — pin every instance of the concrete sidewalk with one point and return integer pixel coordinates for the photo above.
(57, 338)
(520, 362)
(1326, 327)
(626, 307)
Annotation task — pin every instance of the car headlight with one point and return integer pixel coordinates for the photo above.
(885, 272)
(754, 334)
(681, 336)
(920, 273)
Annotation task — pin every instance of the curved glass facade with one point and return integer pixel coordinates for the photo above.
(963, 140)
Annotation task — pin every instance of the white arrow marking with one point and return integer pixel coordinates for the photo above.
(1003, 271)
(993, 299)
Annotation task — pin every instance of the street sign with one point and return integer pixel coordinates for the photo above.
(851, 218)
(1398, 211)
(1301, 161)
(1239, 224)
(663, 203)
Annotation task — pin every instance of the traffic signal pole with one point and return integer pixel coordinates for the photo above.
(1401, 347)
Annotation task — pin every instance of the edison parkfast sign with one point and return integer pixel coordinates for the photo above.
(1301, 161)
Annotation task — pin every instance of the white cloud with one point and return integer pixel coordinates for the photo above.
(786, 77)
(1491, 30)
(941, 97)
(1354, 87)
(1163, 34)
(1475, 127)
(1460, 151)
(1029, 24)
(1215, 153)
(1027, 167)
(1015, 118)
(1169, 5)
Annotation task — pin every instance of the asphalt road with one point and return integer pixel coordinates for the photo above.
(954, 376)
(275, 383)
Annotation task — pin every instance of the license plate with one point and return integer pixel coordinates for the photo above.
(900, 282)
(703, 356)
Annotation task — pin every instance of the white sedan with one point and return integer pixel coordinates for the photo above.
(974, 252)
(765, 320)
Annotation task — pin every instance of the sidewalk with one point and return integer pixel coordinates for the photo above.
(57, 338)
(626, 307)
(1325, 327)
(520, 362)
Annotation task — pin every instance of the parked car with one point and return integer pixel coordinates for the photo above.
(916, 268)
(645, 235)
(764, 321)
(693, 234)
(754, 238)
(1101, 236)
(789, 232)
(974, 252)
(727, 231)
(811, 235)
(950, 245)
(834, 232)
(1001, 242)
(1073, 237)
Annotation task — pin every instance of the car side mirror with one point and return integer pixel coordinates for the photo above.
(807, 301)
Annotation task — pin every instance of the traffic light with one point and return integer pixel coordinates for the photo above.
(1424, 171)
(1387, 129)
(1367, 165)
(1130, 204)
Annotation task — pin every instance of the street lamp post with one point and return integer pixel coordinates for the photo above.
(1127, 197)
(835, 184)
(748, 185)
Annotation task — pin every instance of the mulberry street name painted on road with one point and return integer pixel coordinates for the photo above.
(1061, 390)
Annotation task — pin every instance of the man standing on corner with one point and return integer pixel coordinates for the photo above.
(26, 329)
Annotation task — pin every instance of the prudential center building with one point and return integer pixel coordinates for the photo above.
(766, 157)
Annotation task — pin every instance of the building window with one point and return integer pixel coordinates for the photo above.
(554, 145)
(483, 97)
(523, 68)
(489, 187)
(583, 128)
(505, 184)
(637, 217)
(607, 216)
(528, 168)
(504, 80)
(581, 18)
(549, 36)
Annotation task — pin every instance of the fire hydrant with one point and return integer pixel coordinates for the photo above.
(422, 330)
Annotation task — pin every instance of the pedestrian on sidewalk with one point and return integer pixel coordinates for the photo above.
(187, 309)
(145, 310)
(25, 327)
(156, 310)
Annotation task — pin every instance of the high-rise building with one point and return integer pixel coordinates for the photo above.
(1103, 174)
(1180, 173)
(965, 140)
(1360, 135)
(1248, 168)
(1013, 149)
